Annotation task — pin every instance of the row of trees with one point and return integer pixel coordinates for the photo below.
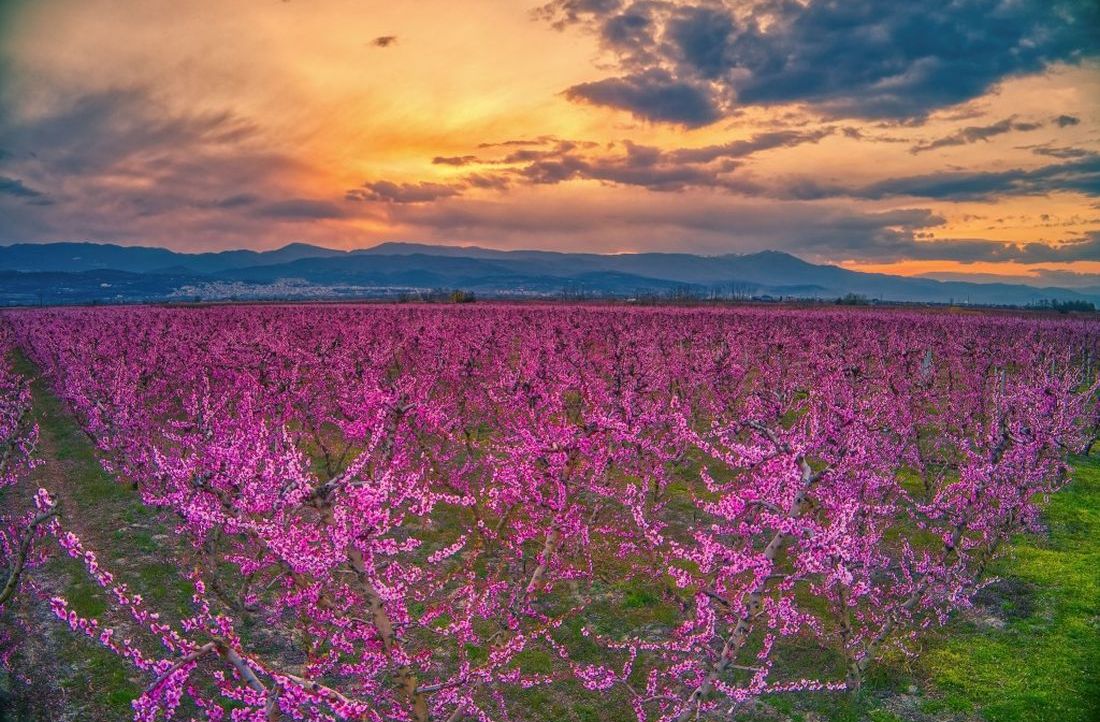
(419, 501)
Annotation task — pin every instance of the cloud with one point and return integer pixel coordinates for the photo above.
(1062, 152)
(391, 192)
(117, 128)
(16, 187)
(625, 163)
(1042, 277)
(653, 95)
(300, 209)
(1067, 279)
(857, 58)
(716, 167)
(541, 140)
(664, 222)
(237, 200)
(124, 166)
(974, 134)
(757, 143)
(652, 167)
(234, 164)
(454, 160)
(827, 232)
(639, 165)
(1081, 176)
(384, 41)
(1086, 248)
(487, 181)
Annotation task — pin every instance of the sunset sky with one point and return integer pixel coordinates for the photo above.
(951, 137)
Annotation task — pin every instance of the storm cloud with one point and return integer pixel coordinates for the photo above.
(857, 58)
(653, 95)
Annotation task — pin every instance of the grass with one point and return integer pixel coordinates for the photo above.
(112, 521)
(1045, 663)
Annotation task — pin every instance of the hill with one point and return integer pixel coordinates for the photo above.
(93, 272)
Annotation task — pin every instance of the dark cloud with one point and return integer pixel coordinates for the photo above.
(555, 150)
(1063, 152)
(976, 133)
(1081, 176)
(755, 144)
(487, 181)
(454, 159)
(124, 166)
(639, 165)
(717, 167)
(627, 29)
(1086, 248)
(1064, 121)
(17, 188)
(117, 128)
(625, 163)
(1036, 277)
(654, 95)
(859, 134)
(300, 209)
(651, 167)
(856, 58)
(384, 41)
(541, 140)
(402, 192)
(1067, 279)
(562, 13)
(237, 200)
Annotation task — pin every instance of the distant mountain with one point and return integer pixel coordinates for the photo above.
(76, 257)
(91, 272)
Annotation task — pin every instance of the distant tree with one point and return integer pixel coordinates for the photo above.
(573, 291)
(459, 296)
(684, 294)
(1065, 306)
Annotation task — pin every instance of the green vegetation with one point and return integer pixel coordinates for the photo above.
(1064, 306)
(1044, 664)
(111, 519)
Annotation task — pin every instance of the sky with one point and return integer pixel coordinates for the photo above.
(959, 139)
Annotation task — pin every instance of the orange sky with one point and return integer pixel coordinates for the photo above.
(253, 123)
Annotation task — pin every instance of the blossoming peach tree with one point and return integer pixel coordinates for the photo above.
(417, 502)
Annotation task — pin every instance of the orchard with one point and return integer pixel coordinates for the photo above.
(430, 510)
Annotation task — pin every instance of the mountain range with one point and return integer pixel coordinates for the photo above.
(104, 273)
